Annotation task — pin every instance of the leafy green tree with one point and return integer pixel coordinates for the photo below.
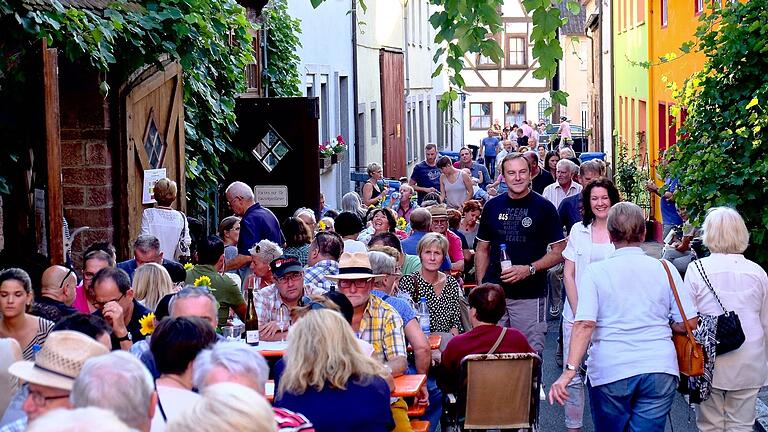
(721, 158)
(282, 70)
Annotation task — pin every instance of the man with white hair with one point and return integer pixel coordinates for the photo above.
(120, 383)
(241, 364)
(257, 223)
(564, 187)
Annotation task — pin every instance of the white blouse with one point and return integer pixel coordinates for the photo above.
(166, 225)
(742, 286)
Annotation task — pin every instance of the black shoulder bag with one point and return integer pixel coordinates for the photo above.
(729, 334)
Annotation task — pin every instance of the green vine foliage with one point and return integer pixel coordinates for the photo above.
(281, 76)
(210, 38)
(721, 158)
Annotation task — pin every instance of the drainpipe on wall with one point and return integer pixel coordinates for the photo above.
(264, 58)
(355, 91)
(404, 3)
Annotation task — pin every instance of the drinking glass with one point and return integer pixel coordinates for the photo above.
(228, 332)
(283, 321)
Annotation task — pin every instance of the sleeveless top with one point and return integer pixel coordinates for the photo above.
(374, 191)
(455, 192)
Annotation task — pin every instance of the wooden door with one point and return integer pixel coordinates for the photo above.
(153, 137)
(392, 112)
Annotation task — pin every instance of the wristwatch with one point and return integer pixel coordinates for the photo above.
(531, 269)
(127, 337)
(570, 367)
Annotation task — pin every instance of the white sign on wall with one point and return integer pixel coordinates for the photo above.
(271, 196)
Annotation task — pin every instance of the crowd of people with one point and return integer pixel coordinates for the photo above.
(478, 254)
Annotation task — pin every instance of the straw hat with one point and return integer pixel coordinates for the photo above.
(354, 265)
(438, 211)
(59, 361)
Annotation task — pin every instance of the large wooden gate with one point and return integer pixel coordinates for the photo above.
(152, 137)
(392, 112)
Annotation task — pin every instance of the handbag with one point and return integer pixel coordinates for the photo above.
(182, 250)
(690, 354)
(729, 335)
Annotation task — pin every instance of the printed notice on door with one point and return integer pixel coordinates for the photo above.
(271, 196)
(151, 176)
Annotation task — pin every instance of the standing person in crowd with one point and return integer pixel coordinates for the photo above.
(257, 223)
(425, 177)
(229, 232)
(406, 263)
(454, 222)
(352, 203)
(568, 153)
(57, 293)
(262, 254)
(571, 209)
(540, 179)
(167, 224)
(279, 298)
(323, 208)
(565, 186)
(455, 251)
(51, 374)
(486, 307)
(297, 238)
(327, 378)
(120, 383)
(175, 344)
(441, 291)
(476, 170)
(405, 206)
(349, 226)
(669, 215)
(146, 249)
(469, 223)
(632, 366)
(541, 152)
(15, 297)
(151, 283)
(534, 137)
(115, 302)
(210, 263)
(677, 244)
(421, 221)
(588, 242)
(528, 226)
(508, 146)
(227, 407)
(726, 280)
(455, 185)
(564, 132)
(93, 261)
(550, 163)
(308, 217)
(323, 260)
(374, 187)
(526, 128)
(241, 364)
(488, 147)
(522, 138)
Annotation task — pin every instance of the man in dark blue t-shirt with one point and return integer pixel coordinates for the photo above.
(488, 150)
(426, 175)
(528, 225)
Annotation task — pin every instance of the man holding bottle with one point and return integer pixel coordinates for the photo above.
(528, 226)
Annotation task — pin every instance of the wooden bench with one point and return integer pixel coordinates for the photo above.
(416, 410)
(420, 425)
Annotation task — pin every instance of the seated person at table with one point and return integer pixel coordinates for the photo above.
(210, 262)
(286, 292)
(113, 298)
(327, 378)
(241, 364)
(486, 307)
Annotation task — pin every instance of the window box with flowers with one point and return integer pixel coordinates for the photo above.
(332, 152)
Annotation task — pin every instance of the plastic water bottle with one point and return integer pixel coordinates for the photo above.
(423, 314)
(505, 261)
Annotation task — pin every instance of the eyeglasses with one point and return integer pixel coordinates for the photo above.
(439, 221)
(100, 305)
(358, 283)
(290, 277)
(41, 400)
(66, 276)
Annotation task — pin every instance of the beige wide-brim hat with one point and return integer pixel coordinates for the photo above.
(59, 361)
(354, 265)
(439, 211)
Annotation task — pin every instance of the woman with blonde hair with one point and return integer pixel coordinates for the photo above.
(373, 188)
(327, 377)
(727, 281)
(151, 282)
(226, 407)
(165, 223)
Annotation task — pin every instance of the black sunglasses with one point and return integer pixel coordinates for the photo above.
(70, 270)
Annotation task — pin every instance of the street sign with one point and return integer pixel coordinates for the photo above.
(271, 196)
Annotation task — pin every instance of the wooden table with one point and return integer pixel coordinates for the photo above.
(434, 342)
(408, 385)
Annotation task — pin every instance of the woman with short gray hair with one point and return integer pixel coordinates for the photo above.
(263, 253)
(726, 280)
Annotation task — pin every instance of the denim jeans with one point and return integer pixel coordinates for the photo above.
(574, 406)
(635, 404)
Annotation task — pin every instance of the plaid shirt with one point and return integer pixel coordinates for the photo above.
(316, 274)
(267, 301)
(382, 327)
(19, 425)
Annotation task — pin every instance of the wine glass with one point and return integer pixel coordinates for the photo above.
(283, 321)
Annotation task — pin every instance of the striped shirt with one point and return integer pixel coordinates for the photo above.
(43, 329)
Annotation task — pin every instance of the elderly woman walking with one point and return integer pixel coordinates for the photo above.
(727, 280)
(624, 306)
